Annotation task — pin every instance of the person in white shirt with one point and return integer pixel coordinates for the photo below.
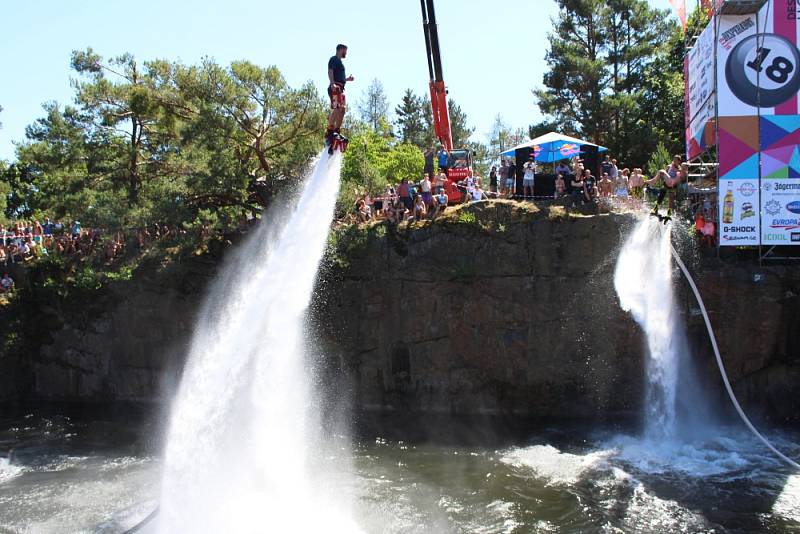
(528, 178)
(427, 197)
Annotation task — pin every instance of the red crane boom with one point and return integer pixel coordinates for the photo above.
(441, 114)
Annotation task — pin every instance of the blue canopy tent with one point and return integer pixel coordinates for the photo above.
(553, 147)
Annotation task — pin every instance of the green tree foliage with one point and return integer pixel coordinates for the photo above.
(608, 80)
(403, 161)
(482, 158)
(161, 141)
(545, 127)
(659, 159)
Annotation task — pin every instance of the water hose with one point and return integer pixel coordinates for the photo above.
(143, 522)
(721, 366)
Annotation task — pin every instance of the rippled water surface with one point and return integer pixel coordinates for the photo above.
(64, 474)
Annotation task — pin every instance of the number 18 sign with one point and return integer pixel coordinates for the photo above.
(761, 70)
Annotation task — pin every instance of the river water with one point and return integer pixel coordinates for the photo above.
(95, 473)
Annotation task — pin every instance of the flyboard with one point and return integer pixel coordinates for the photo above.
(336, 141)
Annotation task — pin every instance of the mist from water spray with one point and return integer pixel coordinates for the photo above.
(243, 454)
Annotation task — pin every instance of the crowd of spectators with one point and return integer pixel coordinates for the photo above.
(617, 186)
(25, 241)
(574, 185)
(424, 199)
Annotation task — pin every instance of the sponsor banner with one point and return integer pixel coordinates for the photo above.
(700, 133)
(758, 62)
(700, 73)
(780, 215)
(738, 209)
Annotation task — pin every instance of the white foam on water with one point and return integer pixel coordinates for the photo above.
(787, 505)
(556, 467)
(646, 512)
(692, 459)
(8, 470)
(242, 455)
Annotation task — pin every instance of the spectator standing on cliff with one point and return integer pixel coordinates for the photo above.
(493, 180)
(444, 159)
(606, 186)
(636, 184)
(576, 186)
(614, 172)
(510, 179)
(425, 187)
(48, 227)
(528, 178)
(428, 168)
(561, 186)
(439, 181)
(6, 284)
(562, 168)
(589, 186)
(404, 193)
(75, 230)
(606, 165)
(502, 175)
(621, 185)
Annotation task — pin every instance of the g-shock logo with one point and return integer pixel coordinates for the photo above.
(738, 229)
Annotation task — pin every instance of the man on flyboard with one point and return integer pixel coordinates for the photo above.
(337, 78)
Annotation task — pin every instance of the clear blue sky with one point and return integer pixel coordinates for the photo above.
(483, 45)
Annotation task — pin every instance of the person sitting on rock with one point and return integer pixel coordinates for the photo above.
(440, 204)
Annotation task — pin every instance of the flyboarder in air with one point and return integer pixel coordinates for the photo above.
(337, 78)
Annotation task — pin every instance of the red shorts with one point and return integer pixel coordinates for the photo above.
(338, 100)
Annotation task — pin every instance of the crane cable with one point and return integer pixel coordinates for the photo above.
(721, 366)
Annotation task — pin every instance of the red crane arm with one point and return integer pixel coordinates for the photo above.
(441, 113)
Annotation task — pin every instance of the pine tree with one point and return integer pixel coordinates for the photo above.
(607, 65)
(374, 106)
(578, 74)
(458, 124)
(410, 120)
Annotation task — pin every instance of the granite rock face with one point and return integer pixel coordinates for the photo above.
(501, 308)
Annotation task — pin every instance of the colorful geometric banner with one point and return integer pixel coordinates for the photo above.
(780, 180)
(758, 79)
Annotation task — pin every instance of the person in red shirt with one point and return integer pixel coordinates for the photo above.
(404, 192)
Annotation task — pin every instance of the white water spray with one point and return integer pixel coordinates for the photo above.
(242, 454)
(643, 280)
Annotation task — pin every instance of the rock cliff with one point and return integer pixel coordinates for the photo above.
(500, 308)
